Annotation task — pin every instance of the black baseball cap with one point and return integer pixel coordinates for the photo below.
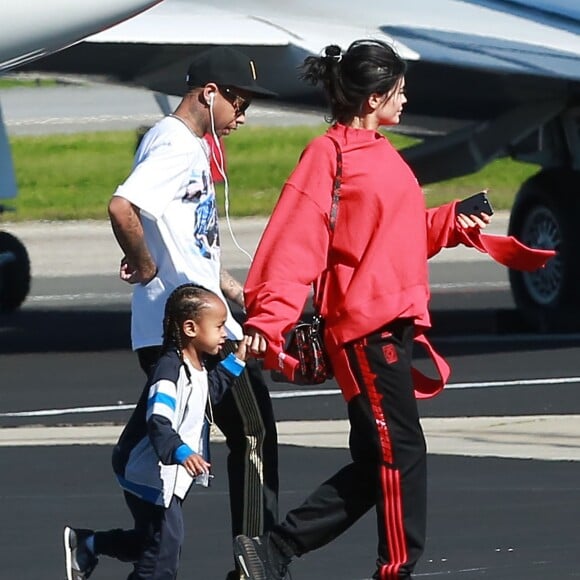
(225, 66)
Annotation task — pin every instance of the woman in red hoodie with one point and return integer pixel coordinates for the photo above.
(371, 279)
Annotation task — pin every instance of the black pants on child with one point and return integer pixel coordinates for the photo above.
(154, 545)
(388, 469)
(246, 418)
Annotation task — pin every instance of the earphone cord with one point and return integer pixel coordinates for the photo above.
(220, 165)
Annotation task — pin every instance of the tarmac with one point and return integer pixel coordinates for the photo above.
(85, 248)
(78, 248)
(502, 489)
(544, 437)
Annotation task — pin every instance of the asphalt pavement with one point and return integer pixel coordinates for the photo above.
(503, 453)
(498, 519)
(503, 437)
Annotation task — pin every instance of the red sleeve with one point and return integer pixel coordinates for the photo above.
(444, 232)
(293, 249)
(441, 228)
(506, 250)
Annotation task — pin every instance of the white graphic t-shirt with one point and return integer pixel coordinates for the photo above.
(174, 191)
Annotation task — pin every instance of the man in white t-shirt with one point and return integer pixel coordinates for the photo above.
(165, 220)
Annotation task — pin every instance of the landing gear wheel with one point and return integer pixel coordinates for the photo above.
(544, 216)
(14, 272)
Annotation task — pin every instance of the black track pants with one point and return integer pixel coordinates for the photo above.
(388, 468)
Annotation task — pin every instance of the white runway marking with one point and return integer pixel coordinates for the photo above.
(499, 285)
(296, 394)
(515, 383)
(88, 120)
(68, 411)
(92, 296)
(449, 572)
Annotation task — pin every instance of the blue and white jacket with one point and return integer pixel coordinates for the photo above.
(169, 424)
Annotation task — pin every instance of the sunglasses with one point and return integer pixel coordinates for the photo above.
(240, 104)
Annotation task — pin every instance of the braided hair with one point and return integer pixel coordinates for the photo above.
(348, 78)
(186, 302)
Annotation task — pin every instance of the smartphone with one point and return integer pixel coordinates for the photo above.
(203, 479)
(474, 205)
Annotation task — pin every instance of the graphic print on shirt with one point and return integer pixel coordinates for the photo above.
(206, 231)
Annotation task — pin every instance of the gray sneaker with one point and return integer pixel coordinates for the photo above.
(80, 561)
(260, 559)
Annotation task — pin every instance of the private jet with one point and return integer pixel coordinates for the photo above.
(504, 74)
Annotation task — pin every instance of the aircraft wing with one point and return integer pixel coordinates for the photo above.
(25, 38)
(538, 38)
(154, 50)
(184, 22)
(557, 8)
(493, 54)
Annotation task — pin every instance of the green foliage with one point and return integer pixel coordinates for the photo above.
(19, 82)
(70, 176)
(73, 176)
(502, 178)
(259, 161)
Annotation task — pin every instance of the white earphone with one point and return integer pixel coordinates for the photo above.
(211, 98)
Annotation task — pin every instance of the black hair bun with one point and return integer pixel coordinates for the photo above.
(333, 51)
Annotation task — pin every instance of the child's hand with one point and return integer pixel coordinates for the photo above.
(257, 343)
(195, 464)
(242, 350)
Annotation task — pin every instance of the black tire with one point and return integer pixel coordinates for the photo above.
(14, 274)
(544, 216)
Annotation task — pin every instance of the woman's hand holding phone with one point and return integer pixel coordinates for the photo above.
(474, 211)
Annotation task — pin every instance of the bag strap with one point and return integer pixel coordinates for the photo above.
(336, 185)
(333, 210)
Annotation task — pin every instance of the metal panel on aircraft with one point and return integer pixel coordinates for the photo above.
(487, 53)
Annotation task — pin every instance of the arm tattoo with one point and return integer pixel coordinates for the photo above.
(128, 231)
(231, 288)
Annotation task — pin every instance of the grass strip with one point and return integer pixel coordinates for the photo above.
(72, 176)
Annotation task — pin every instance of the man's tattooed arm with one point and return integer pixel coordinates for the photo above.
(231, 288)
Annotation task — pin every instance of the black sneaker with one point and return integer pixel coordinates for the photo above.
(377, 575)
(80, 561)
(260, 559)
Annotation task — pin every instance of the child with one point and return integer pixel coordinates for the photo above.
(164, 447)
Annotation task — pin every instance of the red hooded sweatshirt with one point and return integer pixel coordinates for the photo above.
(375, 259)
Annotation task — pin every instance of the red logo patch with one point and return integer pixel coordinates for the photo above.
(390, 353)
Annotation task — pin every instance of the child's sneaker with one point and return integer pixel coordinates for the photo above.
(80, 561)
(260, 559)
